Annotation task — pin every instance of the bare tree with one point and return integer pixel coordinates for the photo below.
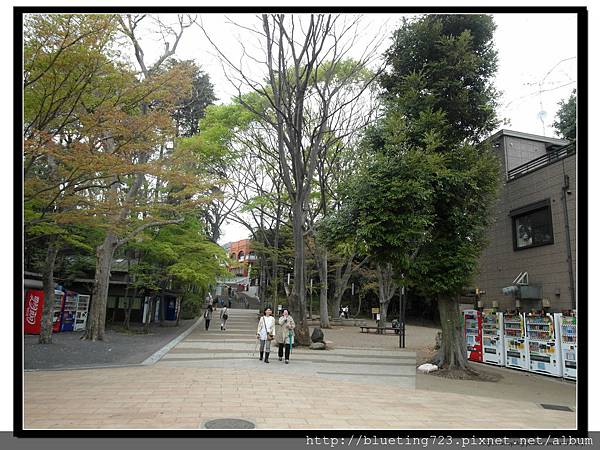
(302, 57)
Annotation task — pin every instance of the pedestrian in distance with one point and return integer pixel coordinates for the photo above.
(265, 333)
(224, 315)
(208, 316)
(285, 335)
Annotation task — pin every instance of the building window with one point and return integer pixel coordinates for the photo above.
(532, 225)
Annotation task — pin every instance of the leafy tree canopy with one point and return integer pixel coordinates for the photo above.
(565, 121)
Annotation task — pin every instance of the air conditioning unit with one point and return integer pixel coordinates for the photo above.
(530, 292)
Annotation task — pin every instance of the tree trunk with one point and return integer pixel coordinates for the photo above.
(387, 290)
(161, 308)
(298, 297)
(324, 289)
(383, 304)
(129, 305)
(360, 297)
(275, 275)
(262, 283)
(97, 317)
(453, 352)
(151, 311)
(48, 287)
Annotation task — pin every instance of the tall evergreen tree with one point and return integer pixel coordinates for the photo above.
(421, 203)
(441, 96)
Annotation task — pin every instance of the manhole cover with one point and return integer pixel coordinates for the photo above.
(556, 407)
(229, 423)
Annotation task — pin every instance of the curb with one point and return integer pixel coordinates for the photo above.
(154, 358)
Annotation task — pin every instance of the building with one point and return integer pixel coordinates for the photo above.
(533, 234)
(242, 256)
(243, 278)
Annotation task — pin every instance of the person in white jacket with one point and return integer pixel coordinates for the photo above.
(265, 333)
(224, 315)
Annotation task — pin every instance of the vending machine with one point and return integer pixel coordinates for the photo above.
(68, 311)
(81, 314)
(473, 334)
(59, 300)
(493, 337)
(568, 342)
(515, 348)
(543, 343)
(34, 305)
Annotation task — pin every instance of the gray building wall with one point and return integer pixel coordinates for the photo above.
(546, 265)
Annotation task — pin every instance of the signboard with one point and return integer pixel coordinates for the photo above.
(374, 310)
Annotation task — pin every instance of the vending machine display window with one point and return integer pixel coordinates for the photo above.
(568, 342)
(472, 319)
(515, 350)
(59, 297)
(543, 345)
(69, 311)
(83, 304)
(493, 338)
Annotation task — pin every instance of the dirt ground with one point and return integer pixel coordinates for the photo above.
(119, 347)
(507, 384)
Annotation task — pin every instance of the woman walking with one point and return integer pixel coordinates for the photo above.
(223, 316)
(207, 316)
(265, 333)
(285, 335)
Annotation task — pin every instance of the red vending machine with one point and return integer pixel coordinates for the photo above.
(34, 304)
(473, 334)
(59, 302)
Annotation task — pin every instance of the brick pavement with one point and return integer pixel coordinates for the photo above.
(180, 393)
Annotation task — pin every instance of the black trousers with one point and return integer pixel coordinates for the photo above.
(287, 351)
(206, 323)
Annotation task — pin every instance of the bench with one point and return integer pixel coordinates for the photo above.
(378, 330)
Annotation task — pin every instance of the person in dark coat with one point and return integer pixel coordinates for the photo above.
(208, 316)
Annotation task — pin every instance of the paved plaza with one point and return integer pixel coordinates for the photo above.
(213, 375)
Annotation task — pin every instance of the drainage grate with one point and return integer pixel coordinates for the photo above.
(556, 407)
(229, 424)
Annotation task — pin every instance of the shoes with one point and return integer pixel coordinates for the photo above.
(267, 357)
(280, 358)
(287, 361)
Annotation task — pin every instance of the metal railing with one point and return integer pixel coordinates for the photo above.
(541, 161)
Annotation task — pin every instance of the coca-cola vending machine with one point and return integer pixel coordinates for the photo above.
(34, 304)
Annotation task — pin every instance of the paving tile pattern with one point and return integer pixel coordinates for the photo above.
(339, 389)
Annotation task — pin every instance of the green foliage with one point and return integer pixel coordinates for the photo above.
(192, 306)
(191, 109)
(421, 200)
(566, 118)
(443, 64)
(181, 252)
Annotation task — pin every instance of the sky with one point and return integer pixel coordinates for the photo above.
(537, 65)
